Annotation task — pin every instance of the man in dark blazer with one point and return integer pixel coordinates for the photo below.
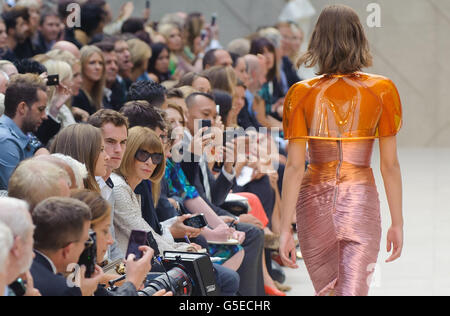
(62, 229)
(48, 281)
(214, 191)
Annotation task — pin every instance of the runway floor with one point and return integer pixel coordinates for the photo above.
(424, 268)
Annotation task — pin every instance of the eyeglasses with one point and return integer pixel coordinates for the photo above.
(143, 156)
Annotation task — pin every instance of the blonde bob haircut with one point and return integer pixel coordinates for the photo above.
(143, 138)
(140, 52)
(57, 67)
(338, 44)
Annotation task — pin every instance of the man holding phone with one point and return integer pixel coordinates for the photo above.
(214, 190)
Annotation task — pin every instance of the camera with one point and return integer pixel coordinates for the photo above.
(188, 274)
(89, 256)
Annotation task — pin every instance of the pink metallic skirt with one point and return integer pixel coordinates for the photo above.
(338, 217)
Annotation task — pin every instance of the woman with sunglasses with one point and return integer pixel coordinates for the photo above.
(143, 160)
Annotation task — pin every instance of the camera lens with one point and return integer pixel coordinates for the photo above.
(180, 284)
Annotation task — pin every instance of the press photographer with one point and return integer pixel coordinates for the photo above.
(136, 271)
(62, 230)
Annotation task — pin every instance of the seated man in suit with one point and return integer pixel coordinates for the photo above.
(62, 229)
(214, 191)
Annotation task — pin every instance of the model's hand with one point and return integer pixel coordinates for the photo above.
(395, 242)
(288, 252)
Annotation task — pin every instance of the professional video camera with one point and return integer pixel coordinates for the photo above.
(187, 274)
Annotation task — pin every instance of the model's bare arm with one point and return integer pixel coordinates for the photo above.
(293, 177)
(392, 178)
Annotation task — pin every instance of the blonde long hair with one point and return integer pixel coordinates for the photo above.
(96, 95)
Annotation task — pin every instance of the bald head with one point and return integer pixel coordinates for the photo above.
(68, 47)
(257, 71)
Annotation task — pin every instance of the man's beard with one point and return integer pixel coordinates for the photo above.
(29, 126)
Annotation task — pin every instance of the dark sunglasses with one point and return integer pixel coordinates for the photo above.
(143, 156)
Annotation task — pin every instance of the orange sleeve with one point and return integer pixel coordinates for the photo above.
(294, 123)
(391, 117)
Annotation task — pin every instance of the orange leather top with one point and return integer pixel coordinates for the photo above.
(356, 106)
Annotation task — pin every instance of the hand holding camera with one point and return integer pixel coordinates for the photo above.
(137, 270)
(89, 285)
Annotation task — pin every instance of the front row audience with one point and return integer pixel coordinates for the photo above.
(114, 175)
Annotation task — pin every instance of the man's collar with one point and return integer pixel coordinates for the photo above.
(50, 262)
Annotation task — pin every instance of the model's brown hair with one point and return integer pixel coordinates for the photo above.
(338, 44)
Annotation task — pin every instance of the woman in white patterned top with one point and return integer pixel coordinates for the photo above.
(143, 160)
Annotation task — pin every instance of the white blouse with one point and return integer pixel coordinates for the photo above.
(128, 217)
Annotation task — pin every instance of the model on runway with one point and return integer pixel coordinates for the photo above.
(339, 115)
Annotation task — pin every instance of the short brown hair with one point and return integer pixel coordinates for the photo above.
(338, 43)
(59, 222)
(104, 116)
(22, 88)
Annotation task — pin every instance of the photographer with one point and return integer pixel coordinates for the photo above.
(62, 229)
(136, 271)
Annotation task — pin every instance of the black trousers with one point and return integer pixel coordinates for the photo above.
(250, 271)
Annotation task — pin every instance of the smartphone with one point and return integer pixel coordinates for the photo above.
(214, 19)
(197, 221)
(206, 123)
(147, 4)
(19, 287)
(138, 238)
(203, 35)
(88, 257)
(53, 80)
